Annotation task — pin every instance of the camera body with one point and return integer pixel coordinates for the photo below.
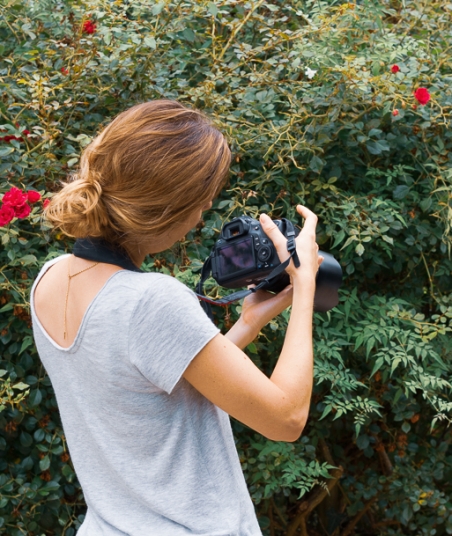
(244, 255)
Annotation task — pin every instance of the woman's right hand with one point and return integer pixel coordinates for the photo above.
(306, 245)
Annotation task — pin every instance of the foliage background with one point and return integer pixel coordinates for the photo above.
(378, 436)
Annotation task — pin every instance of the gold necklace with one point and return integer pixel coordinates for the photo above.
(67, 292)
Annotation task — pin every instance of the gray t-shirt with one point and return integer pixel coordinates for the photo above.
(153, 456)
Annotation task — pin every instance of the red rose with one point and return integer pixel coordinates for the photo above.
(395, 112)
(422, 96)
(15, 198)
(10, 137)
(64, 70)
(23, 211)
(33, 196)
(46, 203)
(6, 215)
(395, 69)
(89, 27)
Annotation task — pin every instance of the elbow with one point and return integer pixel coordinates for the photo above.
(296, 427)
(292, 428)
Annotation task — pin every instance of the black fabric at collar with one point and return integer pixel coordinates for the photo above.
(97, 249)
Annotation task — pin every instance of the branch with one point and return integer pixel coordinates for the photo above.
(349, 528)
(238, 28)
(308, 506)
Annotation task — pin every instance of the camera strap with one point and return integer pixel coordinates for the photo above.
(240, 294)
(97, 249)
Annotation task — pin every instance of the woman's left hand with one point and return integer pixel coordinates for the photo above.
(258, 309)
(262, 306)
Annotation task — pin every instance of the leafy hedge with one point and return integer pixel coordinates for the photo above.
(316, 112)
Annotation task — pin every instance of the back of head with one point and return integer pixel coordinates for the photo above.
(145, 172)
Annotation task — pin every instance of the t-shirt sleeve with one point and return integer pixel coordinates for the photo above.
(168, 328)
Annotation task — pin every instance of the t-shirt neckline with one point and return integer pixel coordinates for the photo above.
(81, 327)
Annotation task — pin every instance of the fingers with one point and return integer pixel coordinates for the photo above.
(309, 217)
(321, 259)
(305, 241)
(272, 231)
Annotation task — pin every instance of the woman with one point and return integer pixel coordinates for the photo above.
(143, 379)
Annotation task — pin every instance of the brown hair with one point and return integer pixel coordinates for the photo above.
(145, 172)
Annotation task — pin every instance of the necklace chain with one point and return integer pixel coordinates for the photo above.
(67, 292)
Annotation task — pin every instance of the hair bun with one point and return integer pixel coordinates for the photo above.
(78, 209)
(93, 189)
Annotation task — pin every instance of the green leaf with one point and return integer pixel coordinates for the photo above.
(327, 410)
(51, 486)
(150, 42)
(401, 191)
(395, 364)
(157, 9)
(377, 366)
(369, 345)
(25, 439)
(35, 397)
(425, 204)
(338, 238)
(28, 259)
(349, 240)
(39, 435)
(5, 151)
(21, 386)
(212, 9)
(316, 164)
(44, 464)
(28, 341)
(189, 35)
(362, 442)
(225, 203)
(377, 146)
(252, 348)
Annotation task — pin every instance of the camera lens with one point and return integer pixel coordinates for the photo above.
(263, 253)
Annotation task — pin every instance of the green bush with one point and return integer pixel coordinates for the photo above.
(306, 92)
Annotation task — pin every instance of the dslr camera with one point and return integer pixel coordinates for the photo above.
(244, 255)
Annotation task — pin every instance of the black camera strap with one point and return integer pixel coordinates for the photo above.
(97, 249)
(240, 294)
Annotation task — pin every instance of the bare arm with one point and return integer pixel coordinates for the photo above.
(277, 406)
